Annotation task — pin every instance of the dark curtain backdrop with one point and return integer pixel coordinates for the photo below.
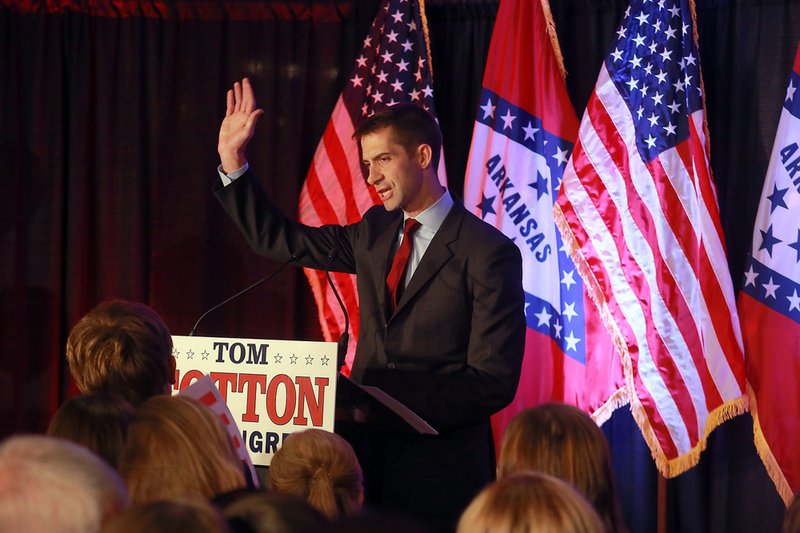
(108, 121)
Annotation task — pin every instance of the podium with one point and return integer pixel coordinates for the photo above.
(370, 406)
(276, 387)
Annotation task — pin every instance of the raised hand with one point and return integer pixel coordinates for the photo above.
(238, 126)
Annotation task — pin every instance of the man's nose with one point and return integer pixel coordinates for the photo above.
(373, 175)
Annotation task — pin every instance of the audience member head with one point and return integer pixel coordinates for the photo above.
(178, 447)
(791, 520)
(97, 421)
(121, 348)
(530, 502)
(49, 484)
(257, 511)
(169, 516)
(563, 441)
(411, 127)
(320, 467)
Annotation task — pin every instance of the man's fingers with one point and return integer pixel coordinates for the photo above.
(237, 96)
(252, 118)
(248, 97)
(229, 103)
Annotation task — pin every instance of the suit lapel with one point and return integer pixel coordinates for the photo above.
(437, 254)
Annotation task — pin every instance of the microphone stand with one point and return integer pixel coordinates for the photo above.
(243, 291)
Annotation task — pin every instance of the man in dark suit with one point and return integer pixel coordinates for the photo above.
(447, 342)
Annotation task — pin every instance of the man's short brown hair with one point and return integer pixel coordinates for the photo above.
(411, 126)
(121, 348)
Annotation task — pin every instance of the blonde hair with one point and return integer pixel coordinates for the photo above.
(529, 502)
(49, 484)
(320, 467)
(122, 348)
(178, 447)
(563, 441)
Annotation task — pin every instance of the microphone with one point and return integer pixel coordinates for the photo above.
(344, 339)
(295, 257)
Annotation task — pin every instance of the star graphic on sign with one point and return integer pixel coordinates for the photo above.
(278, 358)
(568, 278)
(205, 355)
(750, 277)
(309, 359)
(508, 119)
(325, 360)
(796, 246)
(768, 240)
(770, 287)
(486, 206)
(175, 353)
(569, 311)
(488, 109)
(572, 341)
(530, 131)
(190, 355)
(794, 301)
(293, 358)
(544, 317)
(776, 198)
(540, 185)
(561, 156)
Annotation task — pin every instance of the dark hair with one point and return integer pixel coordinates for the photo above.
(411, 126)
(97, 421)
(257, 511)
(122, 348)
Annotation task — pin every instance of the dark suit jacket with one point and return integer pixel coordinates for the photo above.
(451, 351)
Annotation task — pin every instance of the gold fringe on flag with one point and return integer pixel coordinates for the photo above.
(551, 32)
(424, 18)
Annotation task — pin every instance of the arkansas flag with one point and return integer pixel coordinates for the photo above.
(639, 212)
(523, 136)
(393, 67)
(769, 304)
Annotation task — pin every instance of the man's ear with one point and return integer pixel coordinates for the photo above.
(424, 155)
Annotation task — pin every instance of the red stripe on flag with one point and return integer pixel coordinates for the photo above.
(341, 167)
(317, 197)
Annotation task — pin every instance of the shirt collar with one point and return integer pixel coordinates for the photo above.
(433, 217)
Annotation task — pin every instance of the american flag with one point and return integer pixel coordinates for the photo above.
(638, 209)
(769, 304)
(393, 66)
(524, 132)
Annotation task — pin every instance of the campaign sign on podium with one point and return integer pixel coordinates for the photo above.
(272, 387)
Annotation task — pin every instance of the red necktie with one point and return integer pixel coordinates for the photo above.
(394, 281)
